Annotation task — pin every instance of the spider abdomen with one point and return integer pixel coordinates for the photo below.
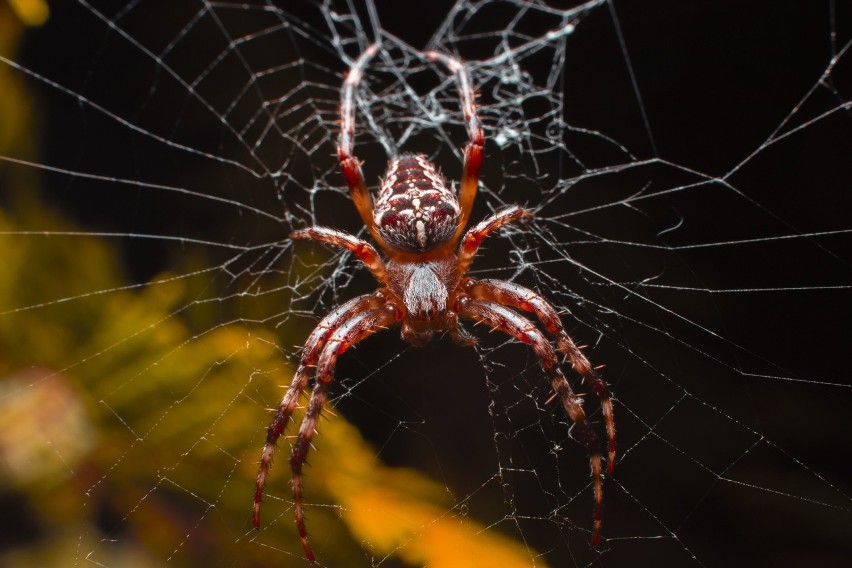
(415, 210)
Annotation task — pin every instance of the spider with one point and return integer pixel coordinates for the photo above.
(418, 222)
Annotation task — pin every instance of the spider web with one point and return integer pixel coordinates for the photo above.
(687, 164)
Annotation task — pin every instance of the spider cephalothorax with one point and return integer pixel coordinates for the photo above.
(418, 222)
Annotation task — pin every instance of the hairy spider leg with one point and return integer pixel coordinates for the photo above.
(349, 164)
(473, 152)
(310, 354)
(515, 325)
(362, 249)
(519, 297)
(474, 237)
(360, 326)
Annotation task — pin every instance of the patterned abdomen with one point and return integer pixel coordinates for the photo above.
(415, 211)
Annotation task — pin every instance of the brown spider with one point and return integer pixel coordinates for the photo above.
(418, 222)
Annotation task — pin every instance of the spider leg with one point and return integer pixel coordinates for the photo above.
(474, 237)
(515, 296)
(457, 332)
(310, 353)
(514, 324)
(362, 249)
(473, 152)
(349, 164)
(358, 327)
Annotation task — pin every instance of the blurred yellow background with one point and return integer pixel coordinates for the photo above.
(128, 438)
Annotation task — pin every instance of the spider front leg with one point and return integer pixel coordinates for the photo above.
(515, 325)
(515, 296)
(473, 153)
(349, 164)
(310, 354)
(357, 328)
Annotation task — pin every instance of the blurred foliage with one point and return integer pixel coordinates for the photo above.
(124, 433)
(30, 12)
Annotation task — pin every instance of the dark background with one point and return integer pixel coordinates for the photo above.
(715, 79)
